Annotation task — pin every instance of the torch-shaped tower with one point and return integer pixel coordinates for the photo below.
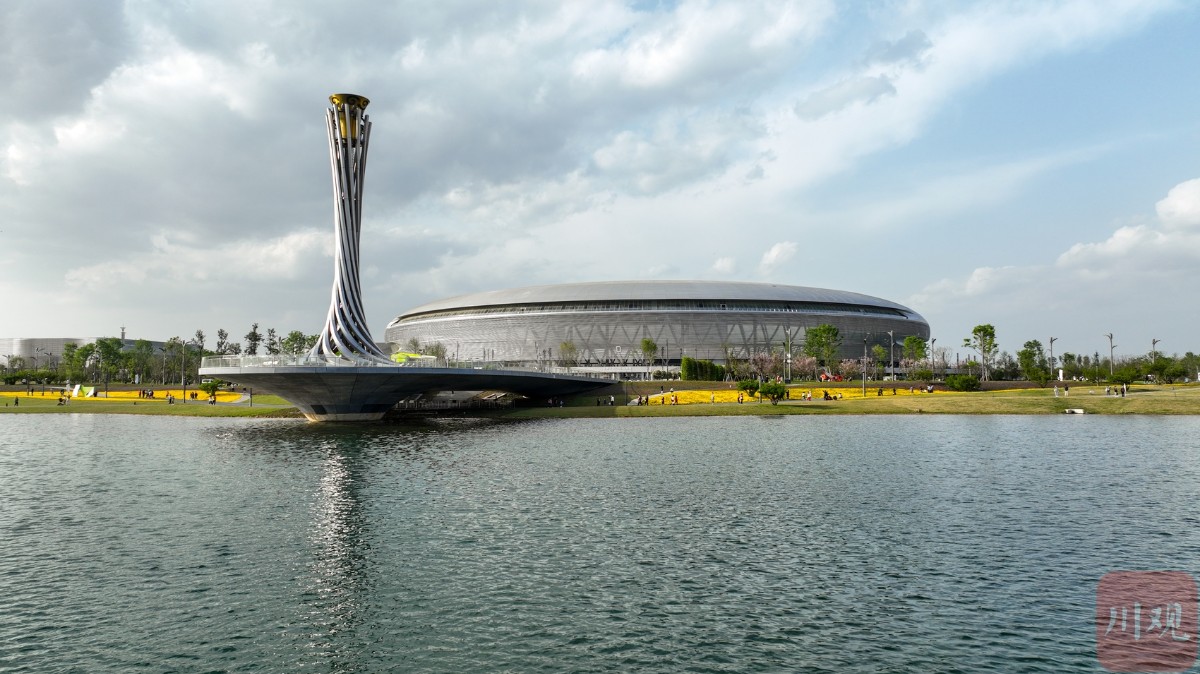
(346, 334)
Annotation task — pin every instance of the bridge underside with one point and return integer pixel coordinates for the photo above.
(367, 393)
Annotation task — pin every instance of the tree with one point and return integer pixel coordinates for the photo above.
(749, 386)
(1166, 370)
(1126, 374)
(880, 355)
(70, 364)
(273, 345)
(1032, 360)
(172, 357)
(437, 350)
(983, 342)
(804, 366)
(914, 348)
(1191, 364)
(765, 364)
(822, 342)
(142, 359)
(1072, 365)
(87, 360)
(921, 373)
(568, 354)
(773, 390)
(222, 342)
(649, 349)
(1005, 366)
(111, 358)
(962, 382)
(295, 343)
(850, 368)
(253, 339)
(199, 339)
(734, 367)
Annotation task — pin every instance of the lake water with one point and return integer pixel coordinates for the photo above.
(778, 544)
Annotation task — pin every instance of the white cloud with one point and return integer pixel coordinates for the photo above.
(1132, 279)
(152, 150)
(777, 255)
(185, 258)
(724, 265)
(1180, 209)
(864, 90)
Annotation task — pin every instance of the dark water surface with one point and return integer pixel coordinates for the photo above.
(779, 544)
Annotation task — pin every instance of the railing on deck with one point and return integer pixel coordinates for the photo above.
(305, 360)
(309, 360)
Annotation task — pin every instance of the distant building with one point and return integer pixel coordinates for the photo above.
(41, 350)
(606, 323)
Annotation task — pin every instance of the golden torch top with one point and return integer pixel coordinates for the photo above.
(348, 128)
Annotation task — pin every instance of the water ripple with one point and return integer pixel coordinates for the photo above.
(699, 545)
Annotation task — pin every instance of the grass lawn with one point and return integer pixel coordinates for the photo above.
(1174, 399)
(1153, 400)
(127, 402)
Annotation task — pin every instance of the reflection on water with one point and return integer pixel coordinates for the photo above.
(718, 545)
(337, 584)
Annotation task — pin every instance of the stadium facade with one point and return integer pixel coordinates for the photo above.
(47, 351)
(607, 321)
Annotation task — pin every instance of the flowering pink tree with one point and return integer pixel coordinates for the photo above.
(850, 368)
(804, 367)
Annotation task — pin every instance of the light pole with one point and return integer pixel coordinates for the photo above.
(1111, 346)
(183, 366)
(891, 356)
(864, 367)
(1153, 346)
(1052, 340)
(933, 356)
(789, 354)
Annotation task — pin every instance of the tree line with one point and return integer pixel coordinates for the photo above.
(110, 359)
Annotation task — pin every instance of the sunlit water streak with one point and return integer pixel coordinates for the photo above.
(705, 545)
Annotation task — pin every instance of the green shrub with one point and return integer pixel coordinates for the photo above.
(773, 390)
(921, 374)
(962, 382)
(691, 369)
(748, 385)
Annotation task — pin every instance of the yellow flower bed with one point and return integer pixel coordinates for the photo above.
(726, 395)
(160, 395)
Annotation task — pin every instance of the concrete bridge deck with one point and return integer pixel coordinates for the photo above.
(351, 393)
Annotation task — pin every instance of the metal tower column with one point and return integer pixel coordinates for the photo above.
(346, 335)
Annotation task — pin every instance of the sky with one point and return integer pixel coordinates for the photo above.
(1032, 165)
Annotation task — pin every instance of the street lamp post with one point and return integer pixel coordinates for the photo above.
(1111, 346)
(1153, 346)
(1052, 340)
(183, 366)
(789, 354)
(891, 354)
(933, 356)
(864, 367)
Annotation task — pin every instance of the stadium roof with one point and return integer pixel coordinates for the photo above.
(654, 290)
